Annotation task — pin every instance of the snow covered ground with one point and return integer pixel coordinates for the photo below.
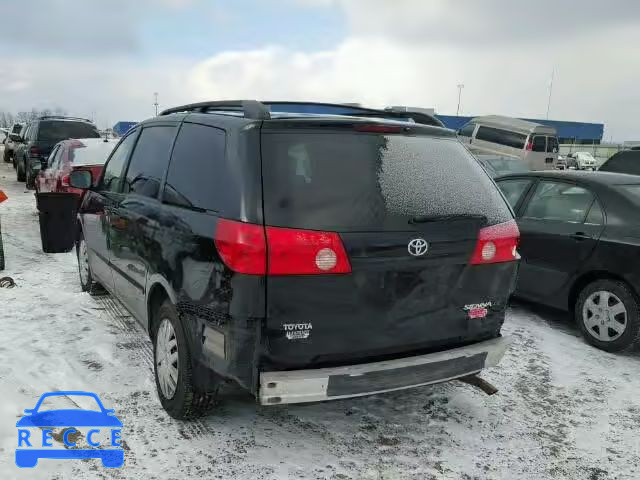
(564, 410)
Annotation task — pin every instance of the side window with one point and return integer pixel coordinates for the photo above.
(595, 215)
(115, 164)
(552, 145)
(539, 143)
(54, 158)
(560, 202)
(467, 130)
(513, 190)
(149, 161)
(198, 175)
(502, 137)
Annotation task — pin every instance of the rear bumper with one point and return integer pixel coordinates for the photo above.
(315, 385)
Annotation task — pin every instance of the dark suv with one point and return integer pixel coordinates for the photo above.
(304, 257)
(10, 143)
(39, 138)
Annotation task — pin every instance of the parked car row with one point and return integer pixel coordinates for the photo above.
(30, 145)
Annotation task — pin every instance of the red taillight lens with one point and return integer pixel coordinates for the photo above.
(64, 181)
(378, 128)
(529, 146)
(305, 252)
(256, 250)
(497, 244)
(242, 246)
(34, 152)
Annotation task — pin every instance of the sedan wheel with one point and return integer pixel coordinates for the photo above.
(608, 313)
(167, 359)
(604, 316)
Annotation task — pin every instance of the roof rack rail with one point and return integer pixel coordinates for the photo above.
(250, 108)
(262, 110)
(63, 117)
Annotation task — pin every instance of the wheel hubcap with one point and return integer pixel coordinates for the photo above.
(604, 316)
(167, 359)
(83, 263)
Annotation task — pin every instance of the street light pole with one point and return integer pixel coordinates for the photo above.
(553, 71)
(155, 103)
(460, 87)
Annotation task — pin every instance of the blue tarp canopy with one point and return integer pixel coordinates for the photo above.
(121, 128)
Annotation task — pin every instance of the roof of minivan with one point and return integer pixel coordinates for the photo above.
(286, 120)
(513, 124)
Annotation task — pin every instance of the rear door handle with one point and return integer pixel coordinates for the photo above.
(580, 236)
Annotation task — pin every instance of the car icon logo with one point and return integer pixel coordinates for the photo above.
(40, 445)
(418, 247)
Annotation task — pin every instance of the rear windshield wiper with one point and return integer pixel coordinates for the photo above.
(446, 218)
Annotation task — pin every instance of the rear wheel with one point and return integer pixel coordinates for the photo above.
(20, 173)
(87, 283)
(30, 179)
(1, 251)
(174, 367)
(608, 314)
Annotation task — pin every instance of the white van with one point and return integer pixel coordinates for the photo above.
(535, 144)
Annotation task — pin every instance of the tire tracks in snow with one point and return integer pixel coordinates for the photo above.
(139, 347)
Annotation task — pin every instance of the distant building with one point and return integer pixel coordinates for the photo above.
(568, 132)
(120, 128)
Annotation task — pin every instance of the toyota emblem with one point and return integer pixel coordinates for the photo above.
(418, 247)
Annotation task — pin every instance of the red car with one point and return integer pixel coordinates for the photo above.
(73, 154)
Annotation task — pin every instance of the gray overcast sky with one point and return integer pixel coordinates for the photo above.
(109, 57)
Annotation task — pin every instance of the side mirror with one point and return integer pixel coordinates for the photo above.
(80, 179)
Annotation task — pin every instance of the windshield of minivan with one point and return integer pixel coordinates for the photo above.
(338, 181)
(54, 131)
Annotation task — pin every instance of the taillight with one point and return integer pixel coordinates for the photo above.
(529, 146)
(379, 128)
(305, 252)
(242, 246)
(496, 244)
(34, 152)
(256, 250)
(64, 181)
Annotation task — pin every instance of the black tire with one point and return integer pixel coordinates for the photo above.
(30, 181)
(88, 284)
(6, 155)
(20, 173)
(631, 334)
(186, 402)
(1, 252)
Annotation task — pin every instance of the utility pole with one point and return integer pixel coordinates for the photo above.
(460, 87)
(155, 103)
(553, 71)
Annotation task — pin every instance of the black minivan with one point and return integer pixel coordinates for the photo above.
(304, 257)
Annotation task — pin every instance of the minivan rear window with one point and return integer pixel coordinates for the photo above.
(501, 137)
(52, 131)
(368, 182)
